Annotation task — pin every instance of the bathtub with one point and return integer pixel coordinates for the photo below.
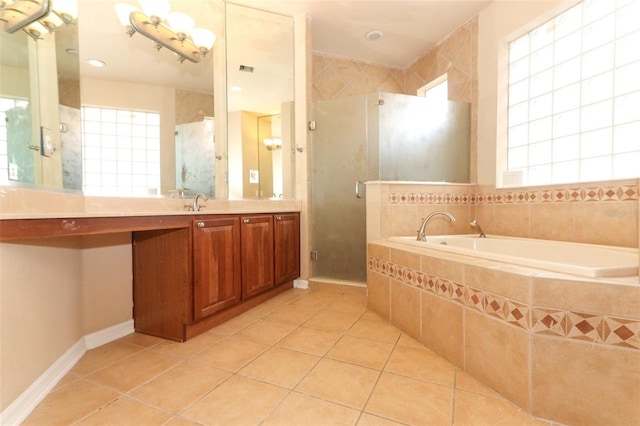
(586, 260)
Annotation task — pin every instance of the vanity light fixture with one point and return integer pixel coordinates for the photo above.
(37, 17)
(273, 144)
(173, 30)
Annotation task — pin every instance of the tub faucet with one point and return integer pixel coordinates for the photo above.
(475, 224)
(421, 235)
(196, 207)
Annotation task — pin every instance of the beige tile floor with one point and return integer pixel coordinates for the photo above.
(306, 357)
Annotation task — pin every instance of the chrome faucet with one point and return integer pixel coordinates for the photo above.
(421, 235)
(475, 224)
(196, 207)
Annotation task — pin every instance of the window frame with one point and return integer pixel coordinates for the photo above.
(505, 177)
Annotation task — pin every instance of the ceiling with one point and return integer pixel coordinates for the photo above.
(410, 28)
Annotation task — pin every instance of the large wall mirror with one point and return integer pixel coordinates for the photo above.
(172, 114)
(39, 103)
(260, 103)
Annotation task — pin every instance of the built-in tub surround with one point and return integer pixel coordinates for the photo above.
(562, 347)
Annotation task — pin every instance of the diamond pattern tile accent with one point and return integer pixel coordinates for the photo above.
(493, 305)
(458, 292)
(584, 326)
(475, 299)
(542, 320)
(516, 313)
(580, 194)
(548, 321)
(622, 332)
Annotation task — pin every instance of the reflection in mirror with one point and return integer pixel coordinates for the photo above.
(259, 89)
(39, 102)
(138, 83)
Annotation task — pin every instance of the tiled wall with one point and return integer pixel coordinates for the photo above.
(601, 213)
(598, 213)
(395, 209)
(456, 55)
(562, 349)
(339, 77)
(193, 106)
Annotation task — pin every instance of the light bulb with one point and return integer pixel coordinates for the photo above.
(157, 8)
(66, 9)
(203, 38)
(123, 10)
(36, 29)
(51, 21)
(180, 23)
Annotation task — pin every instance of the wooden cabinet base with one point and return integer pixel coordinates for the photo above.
(192, 330)
(188, 280)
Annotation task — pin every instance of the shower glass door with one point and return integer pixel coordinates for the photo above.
(339, 171)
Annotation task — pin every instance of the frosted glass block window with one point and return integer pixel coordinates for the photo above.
(121, 151)
(574, 96)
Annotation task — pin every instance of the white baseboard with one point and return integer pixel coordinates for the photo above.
(303, 284)
(19, 409)
(108, 334)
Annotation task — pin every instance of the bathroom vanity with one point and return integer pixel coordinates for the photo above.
(190, 271)
(188, 280)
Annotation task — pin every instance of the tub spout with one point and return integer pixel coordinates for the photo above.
(475, 224)
(421, 233)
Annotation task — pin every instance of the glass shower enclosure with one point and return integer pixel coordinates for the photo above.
(375, 137)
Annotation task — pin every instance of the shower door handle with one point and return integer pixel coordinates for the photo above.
(358, 183)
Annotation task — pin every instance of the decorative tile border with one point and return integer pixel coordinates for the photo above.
(558, 195)
(536, 319)
(430, 198)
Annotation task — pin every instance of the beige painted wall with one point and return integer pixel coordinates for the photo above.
(53, 292)
(106, 281)
(40, 314)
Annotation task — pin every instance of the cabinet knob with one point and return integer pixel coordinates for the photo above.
(200, 224)
(278, 217)
(245, 221)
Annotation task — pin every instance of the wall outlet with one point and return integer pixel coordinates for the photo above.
(13, 171)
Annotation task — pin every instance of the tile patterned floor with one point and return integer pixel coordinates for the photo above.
(306, 357)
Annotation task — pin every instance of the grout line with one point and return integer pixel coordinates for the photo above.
(298, 326)
(453, 396)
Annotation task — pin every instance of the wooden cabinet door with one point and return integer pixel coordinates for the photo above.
(257, 254)
(161, 282)
(287, 247)
(216, 265)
